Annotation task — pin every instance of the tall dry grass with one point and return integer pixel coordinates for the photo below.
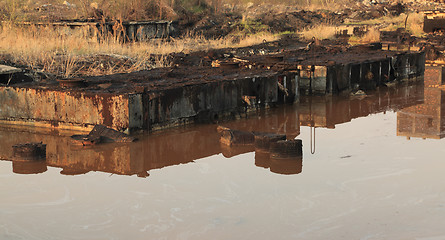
(65, 55)
(320, 32)
(372, 35)
(412, 21)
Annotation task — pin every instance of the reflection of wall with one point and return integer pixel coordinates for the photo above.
(178, 146)
(282, 120)
(434, 75)
(424, 120)
(158, 150)
(330, 111)
(169, 148)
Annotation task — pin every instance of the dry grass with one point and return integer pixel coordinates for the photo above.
(372, 35)
(319, 32)
(44, 49)
(414, 23)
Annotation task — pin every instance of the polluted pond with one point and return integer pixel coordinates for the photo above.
(323, 168)
(313, 142)
(281, 140)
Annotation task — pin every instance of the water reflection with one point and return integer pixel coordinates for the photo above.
(185, 145)
(284, 166)
(26, 167)
(425, 120)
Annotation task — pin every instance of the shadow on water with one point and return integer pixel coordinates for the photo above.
(185, 145)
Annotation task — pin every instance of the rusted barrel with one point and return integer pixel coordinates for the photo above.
(262, 159)
(29, 152)
(263, 140)
(286, 166)
(235, 137)
(29, 167)
(286, 149)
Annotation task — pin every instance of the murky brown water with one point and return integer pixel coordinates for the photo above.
(365, 179)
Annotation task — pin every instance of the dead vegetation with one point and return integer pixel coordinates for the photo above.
(203, 24)
(67, 56)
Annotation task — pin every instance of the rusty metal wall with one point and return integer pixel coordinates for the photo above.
(67, 110)
(362, 75)
(205, 102)
(211, 101)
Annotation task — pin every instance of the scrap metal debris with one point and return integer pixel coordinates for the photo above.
(103, 134)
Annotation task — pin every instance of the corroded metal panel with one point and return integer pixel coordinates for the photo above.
(434, 21)
(62, 109)
(208, 102)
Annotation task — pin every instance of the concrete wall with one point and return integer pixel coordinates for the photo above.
(203, 102)
(210, 101)
(312, 80)
(366, 75)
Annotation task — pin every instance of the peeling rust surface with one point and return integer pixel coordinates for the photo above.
(57, 108)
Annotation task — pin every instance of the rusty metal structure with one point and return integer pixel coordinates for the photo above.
(434, 21)
(126, 31)
(168, 97)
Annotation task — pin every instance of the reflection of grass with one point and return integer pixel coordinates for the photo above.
(68, 55)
